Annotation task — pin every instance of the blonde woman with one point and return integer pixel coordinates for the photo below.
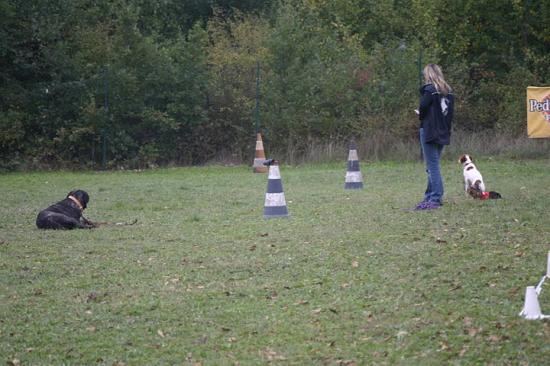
(436, 114)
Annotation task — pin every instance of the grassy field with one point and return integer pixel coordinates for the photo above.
(349, 278)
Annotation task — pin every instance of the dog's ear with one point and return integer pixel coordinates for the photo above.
(462, 159)
(471, 158)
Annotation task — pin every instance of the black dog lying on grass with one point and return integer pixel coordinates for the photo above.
(66, 214)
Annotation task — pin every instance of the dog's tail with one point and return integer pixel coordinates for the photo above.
(494, 195)
(475, 191)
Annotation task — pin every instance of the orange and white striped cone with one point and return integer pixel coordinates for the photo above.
(354, 178)
(275, 203)
(259, 156)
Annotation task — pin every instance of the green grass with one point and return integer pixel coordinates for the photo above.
(348, 278)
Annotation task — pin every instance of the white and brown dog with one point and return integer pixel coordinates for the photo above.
(472, 176)
(473, 181)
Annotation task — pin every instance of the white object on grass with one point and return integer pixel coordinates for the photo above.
(531, 307)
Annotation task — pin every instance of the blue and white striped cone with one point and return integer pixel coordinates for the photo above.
(354, 179)
(275, 204)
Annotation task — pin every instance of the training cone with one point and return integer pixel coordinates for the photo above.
(259, 156)
(275, 204)
(531, 308)
(354, 179)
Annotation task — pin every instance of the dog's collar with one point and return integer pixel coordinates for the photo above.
(72, 198)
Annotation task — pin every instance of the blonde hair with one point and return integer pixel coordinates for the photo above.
(433, 75)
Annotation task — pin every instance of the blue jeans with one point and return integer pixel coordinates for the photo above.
(432, 153)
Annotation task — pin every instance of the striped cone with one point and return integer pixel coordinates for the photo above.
(275, 204)
(354, 179)
(259, 156)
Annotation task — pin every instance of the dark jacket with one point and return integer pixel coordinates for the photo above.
(434, 120)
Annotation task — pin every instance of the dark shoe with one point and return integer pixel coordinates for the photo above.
(422, 206)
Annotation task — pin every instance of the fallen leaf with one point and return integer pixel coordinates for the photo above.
(160, 333)
(271, 355)
(252, 248)
(463, 351)
(264, 234)
(346, 362)
(14, 362)
(92, 296)
(401, 335)
(472, 332)
(355, 264)
(301, 302)
(316, 311)
(495, 338)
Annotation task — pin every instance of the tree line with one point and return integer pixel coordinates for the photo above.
(136, 83)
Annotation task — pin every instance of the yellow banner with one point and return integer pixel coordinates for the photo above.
(538, 112)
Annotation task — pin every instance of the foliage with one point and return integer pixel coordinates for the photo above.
(141, 83)
(312, 87)
(237, 49)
